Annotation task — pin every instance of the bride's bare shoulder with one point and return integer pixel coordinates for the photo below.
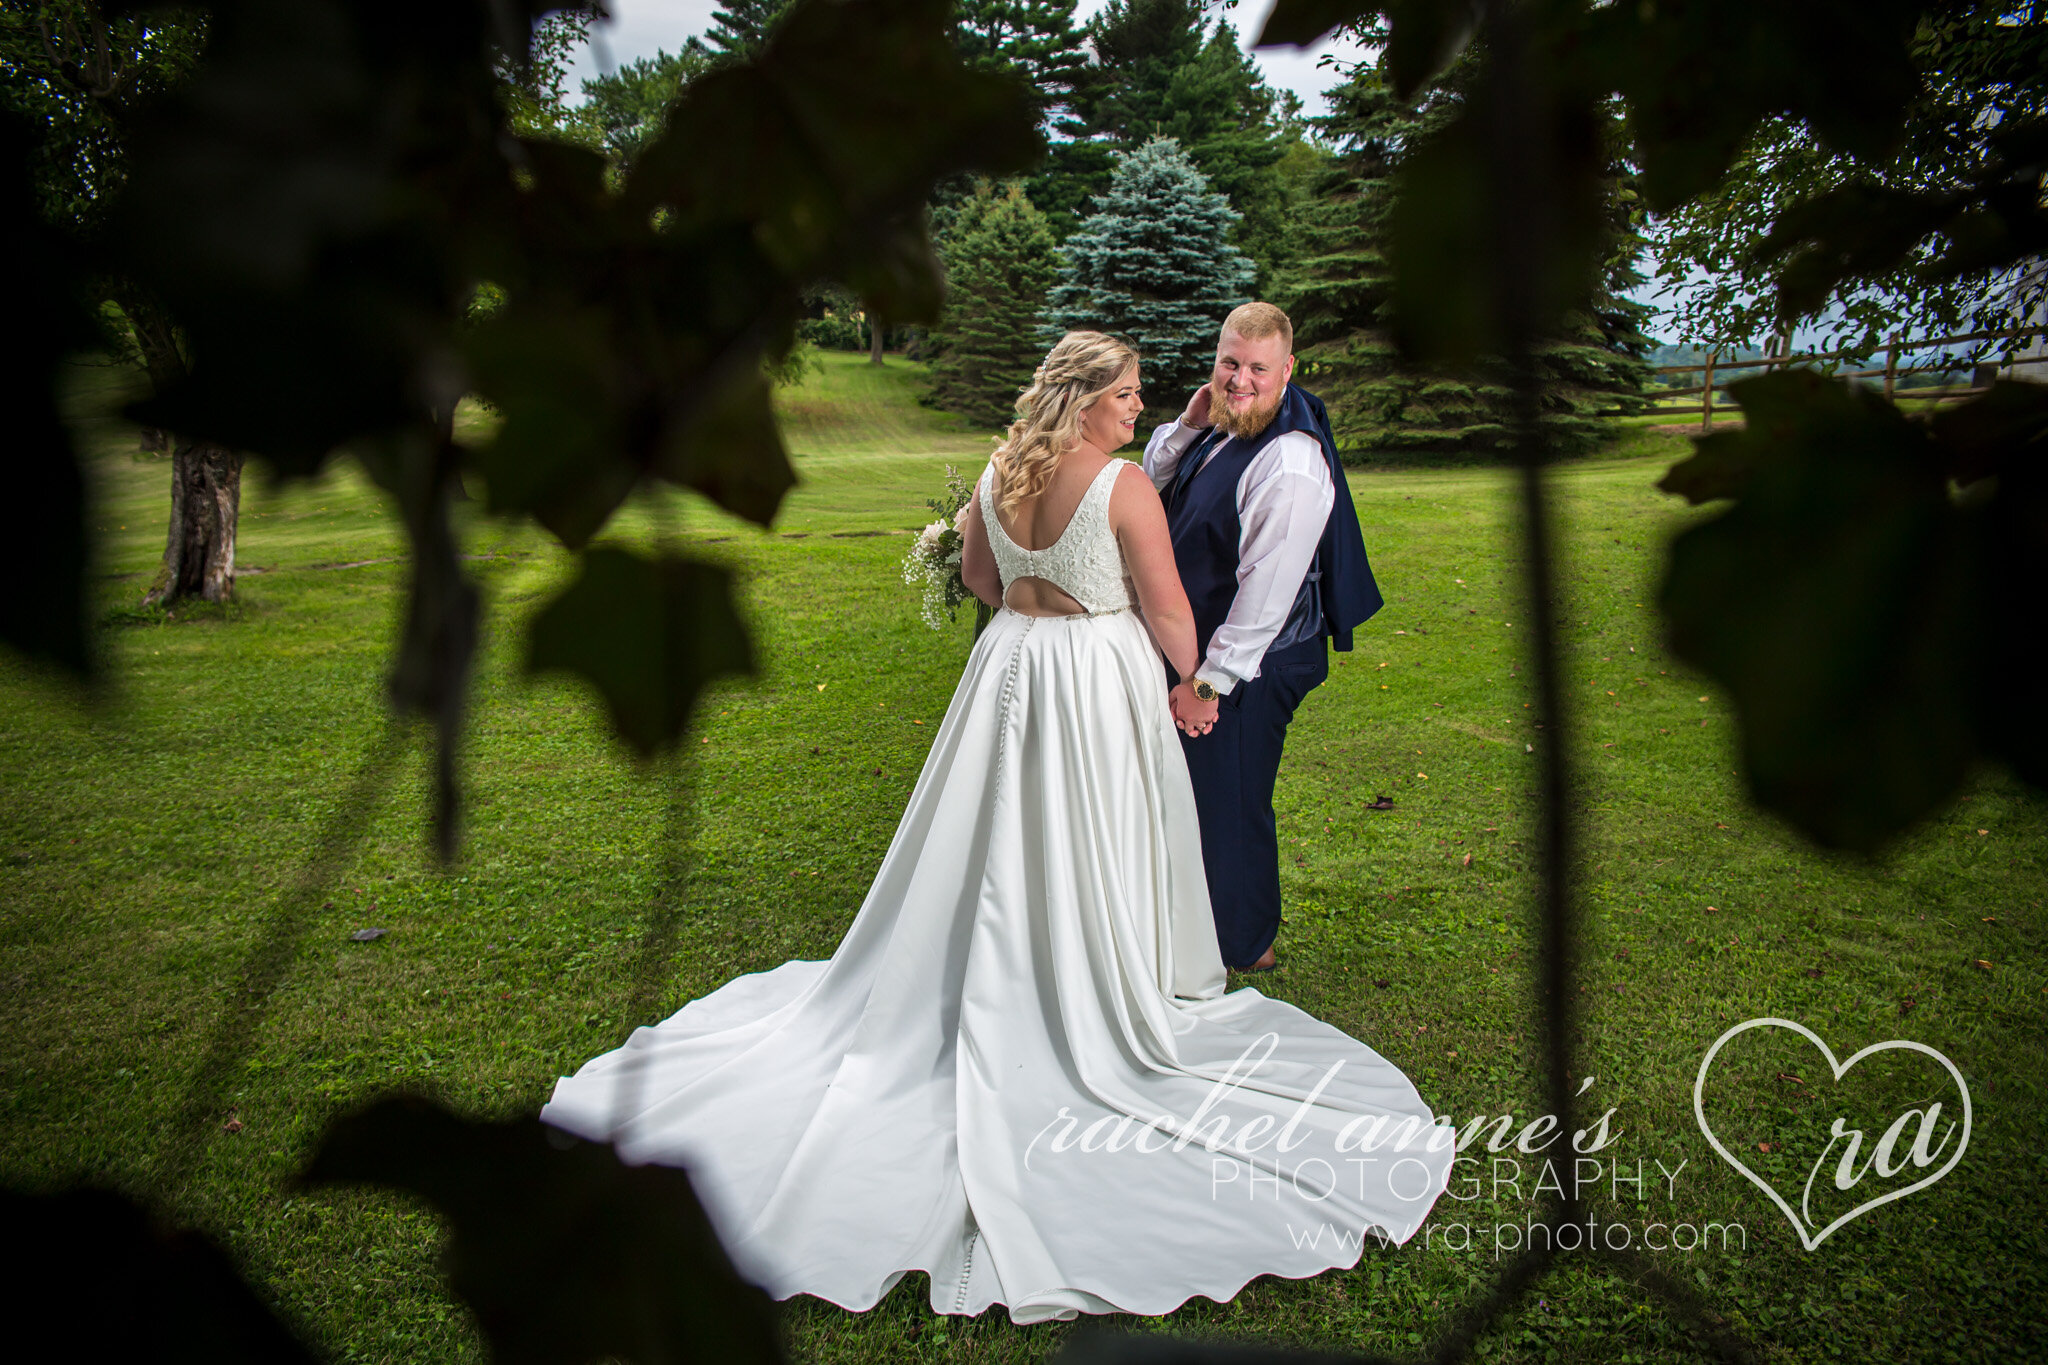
(1133, 499)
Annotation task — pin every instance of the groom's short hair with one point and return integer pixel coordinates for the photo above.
(1257, 321)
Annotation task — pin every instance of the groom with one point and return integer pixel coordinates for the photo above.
(1269, 551)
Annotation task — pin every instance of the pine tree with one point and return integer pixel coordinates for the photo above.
(1139, 45)
(1154, 262)
(1000, 261)
(626, 109)
(1035, 39)
(739, 29)
(1163, 71)
(1340, 298)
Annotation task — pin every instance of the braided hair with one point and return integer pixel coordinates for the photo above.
(1074, 374)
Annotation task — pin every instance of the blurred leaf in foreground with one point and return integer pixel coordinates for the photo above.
(42, 613)
(564, 1253)
(647, 634)
(1871, 628)
(111, 1286)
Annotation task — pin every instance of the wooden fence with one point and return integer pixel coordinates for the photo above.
(1891, 370)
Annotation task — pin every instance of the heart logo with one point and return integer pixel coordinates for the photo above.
(1800, 1225)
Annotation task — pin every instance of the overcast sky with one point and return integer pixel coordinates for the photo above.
(639, 27)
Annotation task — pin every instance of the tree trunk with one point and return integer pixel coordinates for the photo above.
(206, 499)
(206, 479)
(874, 340)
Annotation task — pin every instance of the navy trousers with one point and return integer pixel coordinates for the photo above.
(1233, 769)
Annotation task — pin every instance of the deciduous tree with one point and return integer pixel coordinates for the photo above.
(86, 79)
(1984, 72)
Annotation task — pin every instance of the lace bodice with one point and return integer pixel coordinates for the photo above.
(1085, 562)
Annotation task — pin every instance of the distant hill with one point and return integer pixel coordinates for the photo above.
(1671, 354)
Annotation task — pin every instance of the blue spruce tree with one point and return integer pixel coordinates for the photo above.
(1154, 263)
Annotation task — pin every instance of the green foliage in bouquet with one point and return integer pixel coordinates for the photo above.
(934, 559)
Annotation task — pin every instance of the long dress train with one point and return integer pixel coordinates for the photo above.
(1018, 1072)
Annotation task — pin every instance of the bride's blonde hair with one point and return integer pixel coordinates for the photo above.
(1075, 373)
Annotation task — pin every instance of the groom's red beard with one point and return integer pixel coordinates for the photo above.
(1242, 423)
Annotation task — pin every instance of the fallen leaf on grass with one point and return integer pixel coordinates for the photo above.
(366, 935)
(1467, 862)
(1380, 803)
(1982, 965)
(232, 1126)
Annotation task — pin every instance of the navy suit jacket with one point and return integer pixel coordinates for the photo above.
(1202, 519)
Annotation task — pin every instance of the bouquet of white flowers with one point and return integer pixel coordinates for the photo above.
(934, 558)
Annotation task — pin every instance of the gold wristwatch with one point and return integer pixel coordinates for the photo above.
(1204, 689)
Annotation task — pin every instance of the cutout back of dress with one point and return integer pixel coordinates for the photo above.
(1085, 562)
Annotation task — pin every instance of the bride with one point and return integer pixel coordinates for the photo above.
(1019, 1073)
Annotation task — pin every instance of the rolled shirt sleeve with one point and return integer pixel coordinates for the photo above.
(1284, 499)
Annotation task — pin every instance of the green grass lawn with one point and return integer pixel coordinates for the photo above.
(152, 840)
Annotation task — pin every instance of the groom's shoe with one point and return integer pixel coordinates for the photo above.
(1264, 964)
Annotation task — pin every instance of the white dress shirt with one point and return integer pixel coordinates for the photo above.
(1283, 501)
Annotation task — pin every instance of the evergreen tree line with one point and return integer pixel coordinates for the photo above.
(1177, 184)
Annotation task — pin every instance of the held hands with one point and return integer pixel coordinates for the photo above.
(1196, 413)
(1190, 713)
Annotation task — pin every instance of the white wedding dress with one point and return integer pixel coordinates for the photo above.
(1019, 1071)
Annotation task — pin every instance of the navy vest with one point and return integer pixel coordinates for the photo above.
(1338, 593)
